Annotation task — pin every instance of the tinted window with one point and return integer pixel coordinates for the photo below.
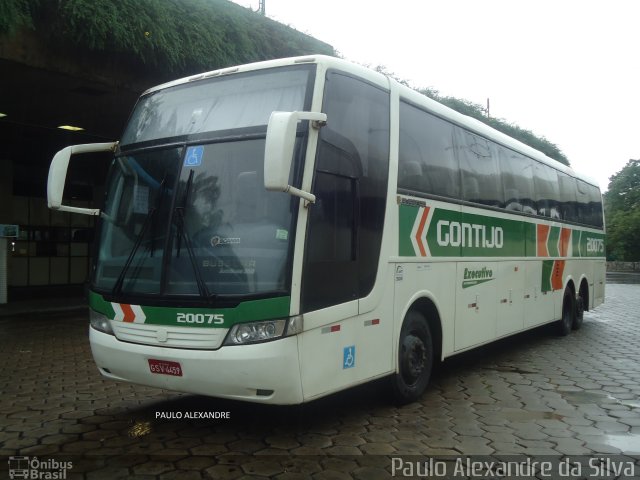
(350, 183)
(595, 202)
(547, 191)
(568, 205)
(438, 158)
(234, 101)
(517, 180)
(332, 219)
(479, 170)
(427, 161)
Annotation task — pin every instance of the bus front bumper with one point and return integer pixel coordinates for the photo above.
(265, 372)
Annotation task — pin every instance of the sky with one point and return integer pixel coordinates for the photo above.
(567, 70)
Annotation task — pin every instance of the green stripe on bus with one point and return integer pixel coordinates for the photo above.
(547, 271)
(530, 237)
(575, 242)
(407, 217)
(248, 311)
(450, 233)
(552, 242)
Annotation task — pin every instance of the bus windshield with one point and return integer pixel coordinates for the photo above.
(191, 218)
(194, 220)
(217, 104)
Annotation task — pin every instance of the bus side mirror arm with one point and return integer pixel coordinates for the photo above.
(58, 175)
(278, 152)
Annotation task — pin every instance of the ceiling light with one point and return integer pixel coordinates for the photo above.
(71, 128)
(2, 115)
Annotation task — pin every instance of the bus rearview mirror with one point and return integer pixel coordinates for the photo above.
(58, 175)
(278, 155)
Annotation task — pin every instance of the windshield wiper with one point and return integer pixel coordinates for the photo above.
(117, 287)
(180, 210)
(182, 233)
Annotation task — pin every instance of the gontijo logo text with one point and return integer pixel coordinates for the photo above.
(456, 234)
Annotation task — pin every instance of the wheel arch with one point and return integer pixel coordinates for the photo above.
(425, 304)
(570, 284)
(583, 291)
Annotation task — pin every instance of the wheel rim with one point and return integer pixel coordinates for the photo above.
(414, 358)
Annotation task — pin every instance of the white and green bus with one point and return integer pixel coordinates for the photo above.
(283, 230)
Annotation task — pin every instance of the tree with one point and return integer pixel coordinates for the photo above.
(622, 210)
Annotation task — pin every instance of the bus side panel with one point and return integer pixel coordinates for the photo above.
(539, 304)
(351, 350)
(476, 288)
(600, 268)
(510, 298)
(426, 280)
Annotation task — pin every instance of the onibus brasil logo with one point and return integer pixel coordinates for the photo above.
(34, 468)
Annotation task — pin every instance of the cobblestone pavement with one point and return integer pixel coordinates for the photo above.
(534, 394)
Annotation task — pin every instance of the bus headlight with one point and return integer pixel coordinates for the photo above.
(100, 322)
(256, 332)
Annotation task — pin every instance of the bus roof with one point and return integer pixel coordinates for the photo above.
(416, 98)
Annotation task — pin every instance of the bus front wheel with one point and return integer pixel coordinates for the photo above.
(415, 359)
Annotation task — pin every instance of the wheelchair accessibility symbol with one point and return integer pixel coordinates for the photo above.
(349, 357)
(193, 158)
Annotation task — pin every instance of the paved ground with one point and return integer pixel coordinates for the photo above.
(534, 394)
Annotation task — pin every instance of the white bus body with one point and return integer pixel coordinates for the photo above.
(392, 232)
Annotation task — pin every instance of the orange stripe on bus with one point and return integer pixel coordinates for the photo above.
(565, 238)
(556, 275)
(543, 236)
(129, 316)
(423, 221)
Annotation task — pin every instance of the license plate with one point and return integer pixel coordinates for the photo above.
(164, 367)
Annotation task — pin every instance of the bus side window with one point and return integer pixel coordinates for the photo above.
(595, 203)
(409, 164)
(479, 170)
(546, 190)
(350, 184)
(567, 197)
(517, 180)
(427, 163)
(331, 270)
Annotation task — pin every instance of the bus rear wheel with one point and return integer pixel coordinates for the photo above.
(581, 300)
(415, 359)
(565, 324)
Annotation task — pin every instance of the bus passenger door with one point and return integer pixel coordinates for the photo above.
(510, 298)
(475, 303)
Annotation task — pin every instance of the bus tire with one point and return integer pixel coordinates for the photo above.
(577, 321)
(580, 308)
(415, 359)
(565, 324)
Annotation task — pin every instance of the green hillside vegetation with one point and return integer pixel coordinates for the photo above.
(181, 37)
(176, 36)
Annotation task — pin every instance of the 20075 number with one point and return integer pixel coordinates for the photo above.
(201, 318)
